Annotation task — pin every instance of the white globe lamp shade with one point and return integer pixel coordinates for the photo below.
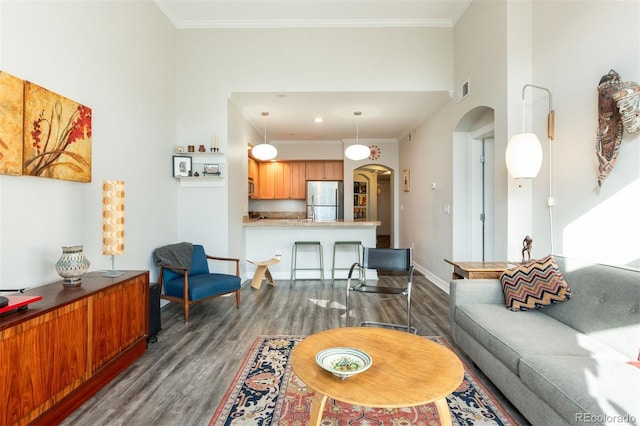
(357, 152)
(264, 152)
(523, 156)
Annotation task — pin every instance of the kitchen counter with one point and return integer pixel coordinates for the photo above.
(303, 223)
(269, 238)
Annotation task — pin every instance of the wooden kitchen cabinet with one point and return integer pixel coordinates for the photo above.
(265, 189)
(61, 350)
(324, 170)
(252, 169)
(282, 180)
(298, 181)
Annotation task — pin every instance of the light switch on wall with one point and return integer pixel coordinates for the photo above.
(447, 209)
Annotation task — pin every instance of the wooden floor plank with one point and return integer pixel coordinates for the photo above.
(182, 378)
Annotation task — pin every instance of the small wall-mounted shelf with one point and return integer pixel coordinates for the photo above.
(199, 162)
(199, 153)
(201, 181)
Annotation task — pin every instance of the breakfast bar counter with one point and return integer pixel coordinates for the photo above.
(274, 238)
(308, 223)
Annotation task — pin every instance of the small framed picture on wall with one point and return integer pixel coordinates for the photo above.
(181, 166)
(406, 180)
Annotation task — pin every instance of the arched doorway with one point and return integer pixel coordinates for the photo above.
(474, 186)
(373, 199)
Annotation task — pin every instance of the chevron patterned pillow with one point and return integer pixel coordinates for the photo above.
(533, 285)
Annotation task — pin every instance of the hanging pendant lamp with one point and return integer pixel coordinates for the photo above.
(357, 151)
(264, 151)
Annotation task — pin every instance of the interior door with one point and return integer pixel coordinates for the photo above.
(482, 215)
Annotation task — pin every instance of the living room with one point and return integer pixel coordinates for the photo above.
(153, 86)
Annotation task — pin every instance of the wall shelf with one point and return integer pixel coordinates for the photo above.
(198, 161)
(201, 181)
(216, 155)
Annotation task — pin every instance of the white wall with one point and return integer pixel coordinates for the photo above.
(212, 64)
(118, 59)
(152, 88)
(500, 46)
(591, 223)
(423, 223)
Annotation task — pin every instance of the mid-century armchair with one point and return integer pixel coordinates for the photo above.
(185, 278)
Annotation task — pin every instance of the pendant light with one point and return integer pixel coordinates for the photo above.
(264, 151)
(357, 151)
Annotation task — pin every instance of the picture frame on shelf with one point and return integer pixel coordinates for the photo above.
(182, 166)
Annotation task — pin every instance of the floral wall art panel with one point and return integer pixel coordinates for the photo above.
(57, 136)
(11, 109)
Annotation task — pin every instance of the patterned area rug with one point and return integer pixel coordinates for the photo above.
(267, 392)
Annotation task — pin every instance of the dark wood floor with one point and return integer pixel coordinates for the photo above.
(182, 378)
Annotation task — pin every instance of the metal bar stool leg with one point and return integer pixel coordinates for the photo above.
(357, 245)
(294, 259)
(294, 254)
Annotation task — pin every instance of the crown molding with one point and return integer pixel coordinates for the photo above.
(313, 23)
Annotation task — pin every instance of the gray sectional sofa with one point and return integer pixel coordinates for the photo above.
(566, 363)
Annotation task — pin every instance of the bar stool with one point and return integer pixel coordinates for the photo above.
(294, 259)
(358, 246)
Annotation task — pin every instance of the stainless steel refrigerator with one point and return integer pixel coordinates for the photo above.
(325, 200)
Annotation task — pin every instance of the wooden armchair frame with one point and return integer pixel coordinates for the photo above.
(186, 303)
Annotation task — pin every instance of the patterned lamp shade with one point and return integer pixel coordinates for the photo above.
(113, 217)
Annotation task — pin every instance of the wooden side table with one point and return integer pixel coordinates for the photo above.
(262, 272)
(477, 270)
(406, 371)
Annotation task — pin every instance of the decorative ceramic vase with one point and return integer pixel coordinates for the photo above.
(72, 265)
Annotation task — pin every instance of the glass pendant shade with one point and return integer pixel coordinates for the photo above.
(523, 156)
(357, 152)
(264, 152)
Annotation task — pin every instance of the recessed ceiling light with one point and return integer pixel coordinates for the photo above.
(318, 120)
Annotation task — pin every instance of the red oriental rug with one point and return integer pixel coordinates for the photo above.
(266, 392)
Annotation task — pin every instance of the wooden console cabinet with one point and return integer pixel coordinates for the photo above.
(63, 349)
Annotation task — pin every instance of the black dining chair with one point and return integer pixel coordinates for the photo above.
(382, 259)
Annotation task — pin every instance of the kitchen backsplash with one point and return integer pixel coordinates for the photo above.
(277, 215)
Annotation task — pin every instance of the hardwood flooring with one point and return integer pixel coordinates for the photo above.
(182, 378)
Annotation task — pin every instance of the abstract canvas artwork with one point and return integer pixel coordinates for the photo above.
(57, 136)
(11, 121)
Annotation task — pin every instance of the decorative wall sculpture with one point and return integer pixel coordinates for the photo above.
(618, 108)
(57, 136)
(11, 121)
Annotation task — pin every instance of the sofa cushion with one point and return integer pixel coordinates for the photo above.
(533, 285)
(510, 335)
(605, 303)
(585, 390)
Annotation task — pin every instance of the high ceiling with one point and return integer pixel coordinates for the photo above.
(384, 114)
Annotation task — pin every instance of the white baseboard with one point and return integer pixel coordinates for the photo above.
(443, 285)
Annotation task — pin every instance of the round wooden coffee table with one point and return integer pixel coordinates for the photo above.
(407, 370)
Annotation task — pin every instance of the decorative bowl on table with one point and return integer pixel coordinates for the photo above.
(343, 362)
